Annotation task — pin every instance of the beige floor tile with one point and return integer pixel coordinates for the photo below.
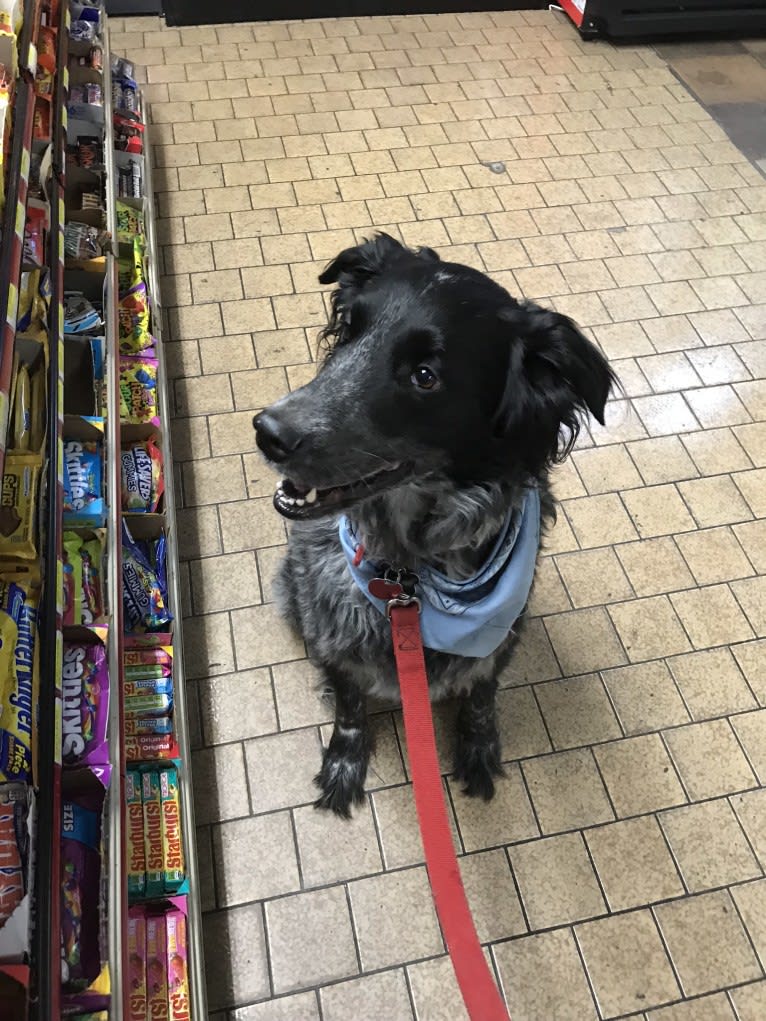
(751, 812)
(577, 653)
(645, 697)
(639, 775)
(235, 935)
(751, 596)
(714, 501)
(564, 996)
(310, 939)
(250, 524)
(297, 689)
(220, 784)
(752, 661)
(556, 880)
(533, 658)
(707, 943)
(225, 582)
(394, 918)
(548, 594)
(709, 759)
(658, 510)
(301, 1007)
(599, 520)
(750, 1001)
(665, 414)
(626, 963)
(708, 845)
(649, 628)
(262, 637)
(715, 451)
(435, 992)
(714, 555)
(750, 898)
(654, 566)
(491, 895)
(505, 819)
(521, 727)
(594, 576)
(662, 459)
(633, 863)
(273, 871)
(237, 706)
(750, 728)
(281, 768)
(752, 537)
(711, 616)
(705, 1008)
(711, 683)
(567, 791)
(383, 995)
(577, 711)
(354, 845)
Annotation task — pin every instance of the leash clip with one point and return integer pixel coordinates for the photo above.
(402, 600)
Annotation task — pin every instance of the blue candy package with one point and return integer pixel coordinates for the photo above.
(83, 493)
(144, 583)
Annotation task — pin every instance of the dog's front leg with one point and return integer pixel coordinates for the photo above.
(477, 753)
(344, 761)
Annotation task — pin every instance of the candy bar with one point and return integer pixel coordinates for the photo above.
(18, 677)
(137, 1005)
(156, 968)
(136, 845)
(150, 747)
(172, 844)
(152, 806)
(177, 964)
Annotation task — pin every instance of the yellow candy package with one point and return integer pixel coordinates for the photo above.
(130, 223)
(130, 269)
(18, 678)
(18, 506)
(133, 316)
(138, 390)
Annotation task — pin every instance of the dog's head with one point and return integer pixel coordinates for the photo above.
(430, 368)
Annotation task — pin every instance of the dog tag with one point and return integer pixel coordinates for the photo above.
(382, 589)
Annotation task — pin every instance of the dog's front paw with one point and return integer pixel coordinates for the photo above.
(477, 762)
(341, 780)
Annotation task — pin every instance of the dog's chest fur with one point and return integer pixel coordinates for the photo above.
(344, 632)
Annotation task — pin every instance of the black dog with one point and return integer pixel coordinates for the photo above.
(432, 424)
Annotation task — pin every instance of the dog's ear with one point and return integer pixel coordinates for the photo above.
(554, 375)
(363, 261)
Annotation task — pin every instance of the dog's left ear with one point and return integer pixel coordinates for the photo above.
(554, 374)
(362, 261)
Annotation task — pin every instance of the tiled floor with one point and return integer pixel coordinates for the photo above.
(619, 871)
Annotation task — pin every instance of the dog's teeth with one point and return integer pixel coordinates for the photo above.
(299, 502)
(289, 499)
(311, 496)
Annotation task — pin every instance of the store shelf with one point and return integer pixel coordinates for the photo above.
(196, 951)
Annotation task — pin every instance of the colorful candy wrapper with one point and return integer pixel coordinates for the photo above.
(133, 318)
(138, 390)
(142, 477)
(83, 493)
(14, 848)
(173, 867)
(136, 845)
(152, 805)
(18, 678)
(177, 958)
(130, 223)
(150, 747)
(156, 968)
(85, 713)
(81, 847)
(144, 673)
(148, 705)
(144, 586)
(137, 725)
(159, 654)
(130, 269)
(148, 686)
(83, 597)
(137, 1005)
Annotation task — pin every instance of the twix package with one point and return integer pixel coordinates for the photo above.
(137, 997)
(172, 846)
(177, 955)
(136, 842)
(152, 806)
(156, 967)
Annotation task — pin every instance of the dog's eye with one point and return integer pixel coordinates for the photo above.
(425, 378)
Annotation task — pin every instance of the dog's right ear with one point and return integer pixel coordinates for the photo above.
(358, 264)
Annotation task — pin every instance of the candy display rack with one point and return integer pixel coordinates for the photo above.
(70, 949)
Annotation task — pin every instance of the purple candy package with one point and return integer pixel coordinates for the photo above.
(85, 705)
(144, 583)
(81, 882)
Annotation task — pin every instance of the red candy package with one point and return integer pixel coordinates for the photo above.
(14, 848)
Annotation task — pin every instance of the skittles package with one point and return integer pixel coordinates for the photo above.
(85, 714)
(83, 493)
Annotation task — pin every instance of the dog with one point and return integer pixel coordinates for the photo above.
(424, 444)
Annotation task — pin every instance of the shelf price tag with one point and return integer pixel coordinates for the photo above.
(20, 219)
(66, 80)
(11, 316)
(32, 59)
(25, 161)
(65, 119)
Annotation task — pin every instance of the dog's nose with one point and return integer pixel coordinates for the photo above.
(275, 438)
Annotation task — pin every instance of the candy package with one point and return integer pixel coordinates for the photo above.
(83, 493)
(81, 856)
(85, 713)
(80, 316)
(150, 747)
(34, 236)
(138, 390)
(173, 867)
(83, 593)
(128, 133)
(14, 848)
(130, 222)
(18, 678)
(18, 506)
(152, 804)
(133, 317)
(135, 834)
(20, 433)
(144, 585)
(137, 1006)
(130, 268)
(82, 241)
(142, 477)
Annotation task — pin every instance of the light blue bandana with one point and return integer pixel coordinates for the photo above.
(472, 617)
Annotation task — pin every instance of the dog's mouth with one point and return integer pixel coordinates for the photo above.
(299, 503)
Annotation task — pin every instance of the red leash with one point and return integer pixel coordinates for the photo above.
(481, 995)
